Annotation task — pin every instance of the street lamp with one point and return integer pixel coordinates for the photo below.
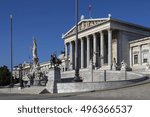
(20, 80)
(11, 52)
(77, 77)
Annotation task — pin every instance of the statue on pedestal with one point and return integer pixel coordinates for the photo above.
(54, 61)
(35, 76)
(114, 65)
(123, 65)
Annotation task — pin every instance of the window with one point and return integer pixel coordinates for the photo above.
(135, 59)
(144, 57)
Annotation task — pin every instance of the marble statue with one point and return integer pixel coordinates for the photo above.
(34, 53)
(123, 65)
(35, 76)
(34, 49)
(114, 65)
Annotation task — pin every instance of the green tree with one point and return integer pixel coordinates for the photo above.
(4, 76)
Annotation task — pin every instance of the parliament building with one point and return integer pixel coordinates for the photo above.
(102, 42)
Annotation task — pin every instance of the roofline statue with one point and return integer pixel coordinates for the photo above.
(34, 52)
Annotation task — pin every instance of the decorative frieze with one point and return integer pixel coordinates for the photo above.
(83, 25)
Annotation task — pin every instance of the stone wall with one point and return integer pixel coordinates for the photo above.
(93, 86)
(98, 75)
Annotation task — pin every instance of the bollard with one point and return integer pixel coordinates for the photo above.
(104, 75)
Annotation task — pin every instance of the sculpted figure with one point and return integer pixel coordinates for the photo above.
(114, 65)
(123, 65)
(34, 49)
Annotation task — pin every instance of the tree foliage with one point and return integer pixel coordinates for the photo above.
(4, 76)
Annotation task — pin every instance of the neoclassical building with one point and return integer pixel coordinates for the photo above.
(26, 68)
(102, 40)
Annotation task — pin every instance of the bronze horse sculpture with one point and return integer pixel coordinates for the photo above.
(54, 61)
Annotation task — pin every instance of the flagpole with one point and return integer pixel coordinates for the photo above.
(77, 76)
(11, 53)
(90, 11)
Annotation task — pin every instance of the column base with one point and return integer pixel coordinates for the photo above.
(105, 67)
(77, 79)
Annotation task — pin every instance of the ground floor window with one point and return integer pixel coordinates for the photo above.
(135, 59)
(144, 57)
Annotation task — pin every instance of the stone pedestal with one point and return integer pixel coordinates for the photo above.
(147, 67)
(54, 77)
(71, 67)
(123, 75)
(114, 67)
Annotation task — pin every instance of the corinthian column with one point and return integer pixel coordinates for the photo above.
(109, 48)
(82, 53)
(66, 56)
(102, 48)
(71, 56)
(94, 49)
(88, 50)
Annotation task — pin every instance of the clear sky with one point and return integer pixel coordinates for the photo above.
(48, 19)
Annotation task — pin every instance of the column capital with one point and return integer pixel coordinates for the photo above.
(82, 38)
(109, 29)
(101, 31)
(94, 35)
(67, 43)
(88, 37)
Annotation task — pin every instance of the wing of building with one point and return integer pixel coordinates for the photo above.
(103, 40)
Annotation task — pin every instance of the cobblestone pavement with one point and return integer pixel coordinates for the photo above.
(134, 92)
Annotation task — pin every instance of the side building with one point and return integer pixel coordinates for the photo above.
(140, 53)
(25, 68)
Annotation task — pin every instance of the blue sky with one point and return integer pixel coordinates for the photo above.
(48, 19)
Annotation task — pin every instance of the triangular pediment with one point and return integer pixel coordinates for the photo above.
(85, 24)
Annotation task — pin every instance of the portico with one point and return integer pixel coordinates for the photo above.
(92, 47)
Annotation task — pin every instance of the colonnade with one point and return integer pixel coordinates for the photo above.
(92, 47)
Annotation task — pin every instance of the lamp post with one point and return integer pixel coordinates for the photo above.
(77, 76)
(11, 52)
(20, 80)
